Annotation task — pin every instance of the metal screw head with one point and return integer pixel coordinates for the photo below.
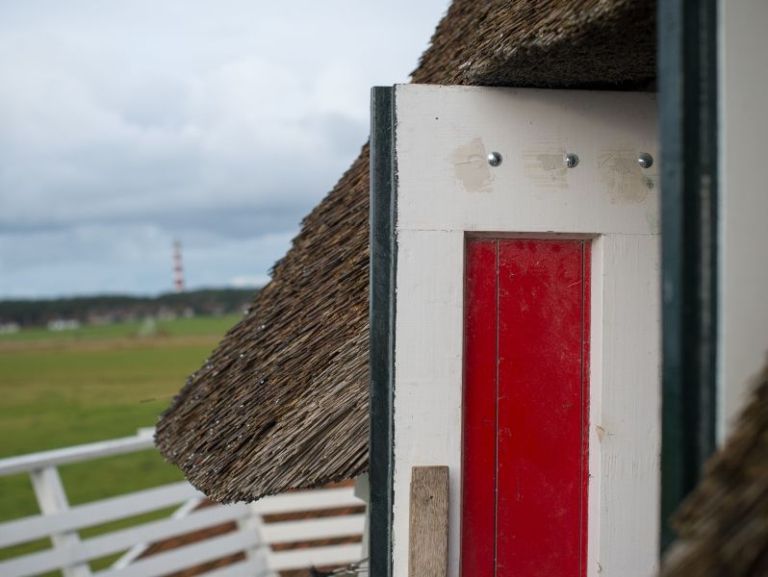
(645, 160)
(494, 158)
(571, 160)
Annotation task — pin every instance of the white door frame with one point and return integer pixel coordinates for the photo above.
(444, 189)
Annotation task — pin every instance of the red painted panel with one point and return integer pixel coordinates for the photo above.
(587, 315)
(480, 392)
(538, 389)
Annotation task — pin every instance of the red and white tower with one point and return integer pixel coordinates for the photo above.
(178, 269)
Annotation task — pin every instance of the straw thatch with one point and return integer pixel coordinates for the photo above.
(723, 525)
(283, 401)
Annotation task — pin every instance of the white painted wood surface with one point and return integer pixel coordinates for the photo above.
(363, 492)
(138, 550)
(117, 541)
(316, 557)
(75, 454)
(315, 500)
(253, 536)
(95, 513)
(52, 499)
(187, 556)
(743, 317)
(257, 556)
(313, 529)
(447, 190)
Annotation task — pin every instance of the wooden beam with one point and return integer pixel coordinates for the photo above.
(382, 331)
(688, 125)
(428, 553)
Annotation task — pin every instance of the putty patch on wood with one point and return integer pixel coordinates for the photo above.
(546, 168)
(625, 180)
(471, 167)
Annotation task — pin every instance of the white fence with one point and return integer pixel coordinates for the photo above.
(250, 534)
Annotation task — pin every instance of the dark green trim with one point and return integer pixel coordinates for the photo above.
(382, 330)
(688, 129)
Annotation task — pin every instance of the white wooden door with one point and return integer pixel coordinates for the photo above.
(474, 162)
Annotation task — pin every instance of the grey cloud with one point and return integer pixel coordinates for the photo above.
(126, 124)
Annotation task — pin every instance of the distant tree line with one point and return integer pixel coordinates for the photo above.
(105, 309)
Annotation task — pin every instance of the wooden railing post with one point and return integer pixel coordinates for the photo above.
(52, 499)
(428, 546)
(259, 554)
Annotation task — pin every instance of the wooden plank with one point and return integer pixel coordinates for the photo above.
(289, 531)
(256, 556)
(478, 524)
(52, 499)
(383, 252)
(76, 454)
(316, 557)
(625, 374)
(242, 569)
(158, 530)
(428, 535)
(307, 501)
(312, 529)
(138, 550)
(183, 557)
(542, 409)
(95, 513)
(117, 541)
(106, 510)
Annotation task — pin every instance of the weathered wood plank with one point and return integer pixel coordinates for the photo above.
(428, 546)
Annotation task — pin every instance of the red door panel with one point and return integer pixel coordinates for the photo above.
(526, 402)
(479, 487)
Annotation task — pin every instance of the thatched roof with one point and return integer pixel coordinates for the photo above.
(723, 525)
(283, 401)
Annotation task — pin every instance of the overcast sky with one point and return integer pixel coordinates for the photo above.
(126, 124)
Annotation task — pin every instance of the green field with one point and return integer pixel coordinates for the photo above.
(90, 384)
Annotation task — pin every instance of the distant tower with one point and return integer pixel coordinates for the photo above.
(178, 269)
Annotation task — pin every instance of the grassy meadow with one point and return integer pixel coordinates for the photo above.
(65, 388)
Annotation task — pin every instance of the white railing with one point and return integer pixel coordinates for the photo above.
(251, 535)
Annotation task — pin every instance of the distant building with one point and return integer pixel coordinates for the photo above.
(9, 328)
(63, 325)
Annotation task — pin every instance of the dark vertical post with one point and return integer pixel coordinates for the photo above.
(382, 323)
(688, 128)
